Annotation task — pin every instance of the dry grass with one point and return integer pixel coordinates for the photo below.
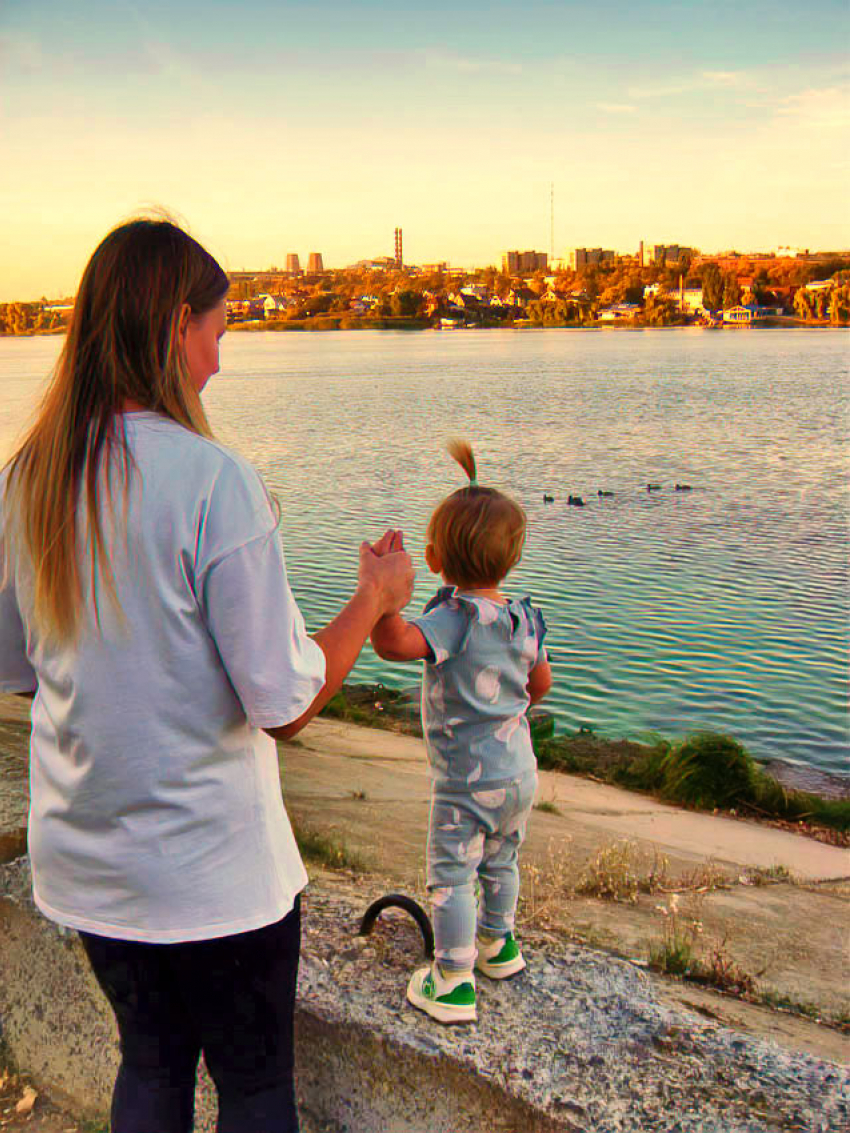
(621, 870)
(773, 875)
(545, 888)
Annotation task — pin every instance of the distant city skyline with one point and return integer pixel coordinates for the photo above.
(326, 126)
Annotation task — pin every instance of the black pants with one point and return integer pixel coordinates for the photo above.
(232, 998)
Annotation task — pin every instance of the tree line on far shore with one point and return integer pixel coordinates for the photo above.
(30, 318)
(563, 298)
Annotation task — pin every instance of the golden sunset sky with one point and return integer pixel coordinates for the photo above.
(304, 127)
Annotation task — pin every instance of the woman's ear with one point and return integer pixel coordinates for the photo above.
(432, 559)
(183, 321)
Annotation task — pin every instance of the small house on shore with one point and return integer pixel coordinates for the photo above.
(745, 314)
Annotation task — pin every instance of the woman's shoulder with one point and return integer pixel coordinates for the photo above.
(185, 472)
(196, 456)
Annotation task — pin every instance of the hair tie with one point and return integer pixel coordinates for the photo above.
(473, 481)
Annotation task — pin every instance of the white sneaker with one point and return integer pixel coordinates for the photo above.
(499, 958)
(448, 998)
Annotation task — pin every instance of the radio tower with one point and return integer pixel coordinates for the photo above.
(399, 259)
(552, 225)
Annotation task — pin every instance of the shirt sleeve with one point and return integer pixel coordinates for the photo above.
(444, 628)
(541, 629)
(275, 668)
(16, 673)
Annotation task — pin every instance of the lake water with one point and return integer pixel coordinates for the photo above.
(723, 608)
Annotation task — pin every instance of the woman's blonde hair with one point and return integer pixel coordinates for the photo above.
(477, 533)
(124, 343)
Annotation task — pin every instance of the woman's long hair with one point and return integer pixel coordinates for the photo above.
(124, 343)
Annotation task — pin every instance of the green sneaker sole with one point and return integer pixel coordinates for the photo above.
(500, 969)
(439, 1009)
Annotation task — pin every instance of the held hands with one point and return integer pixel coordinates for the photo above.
(390, 542)
(386, 567)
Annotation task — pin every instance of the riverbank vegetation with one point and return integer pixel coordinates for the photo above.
(807, 291)
(615, 291)
(707, 771)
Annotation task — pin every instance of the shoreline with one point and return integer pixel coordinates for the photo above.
(798, 798)
(319, 325)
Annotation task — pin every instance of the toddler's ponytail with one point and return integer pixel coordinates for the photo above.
(477, 533)
(461, 451)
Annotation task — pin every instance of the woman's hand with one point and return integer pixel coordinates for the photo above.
(385, 586)
(387, 572)
(391, 541)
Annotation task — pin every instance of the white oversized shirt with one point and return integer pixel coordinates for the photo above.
(156, 810)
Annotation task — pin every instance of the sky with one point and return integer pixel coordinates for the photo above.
(281, 127)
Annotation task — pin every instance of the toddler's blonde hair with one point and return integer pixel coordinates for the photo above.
(478, 533)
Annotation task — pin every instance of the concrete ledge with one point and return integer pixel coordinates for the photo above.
(579, 1042)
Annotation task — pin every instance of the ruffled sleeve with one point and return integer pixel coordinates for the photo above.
(531, 626)
(444, 623)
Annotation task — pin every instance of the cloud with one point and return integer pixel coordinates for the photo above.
(705, 80)
(616, 108)
(468, 65)
(827, 108)
(726, 78)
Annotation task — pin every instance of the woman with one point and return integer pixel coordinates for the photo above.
(144, 604)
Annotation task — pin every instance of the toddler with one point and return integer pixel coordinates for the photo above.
(484, 665)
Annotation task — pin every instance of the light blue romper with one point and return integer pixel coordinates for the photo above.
(483, 768)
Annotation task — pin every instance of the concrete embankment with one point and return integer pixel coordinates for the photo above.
(580, 1041)
(583, 1040)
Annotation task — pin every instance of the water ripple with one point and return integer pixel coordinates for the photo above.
(724, 607)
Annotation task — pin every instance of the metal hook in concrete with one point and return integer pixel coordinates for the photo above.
(400, 901)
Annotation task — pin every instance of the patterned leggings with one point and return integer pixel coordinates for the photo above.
(475, 835)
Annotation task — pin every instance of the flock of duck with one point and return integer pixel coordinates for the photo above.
(577, 501)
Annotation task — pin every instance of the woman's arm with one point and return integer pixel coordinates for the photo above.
(385, 586)
(539, 681)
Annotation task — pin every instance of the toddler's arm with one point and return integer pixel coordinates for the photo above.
(394, 639)
(539, 680)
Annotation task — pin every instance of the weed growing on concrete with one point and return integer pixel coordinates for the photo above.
(772, 875)
(546, 806)
(709, 771)
(621, 870)
(721, 971)
(327, 851)
(771, 998)
(546, 887)
(703, 878)
(675, 953)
